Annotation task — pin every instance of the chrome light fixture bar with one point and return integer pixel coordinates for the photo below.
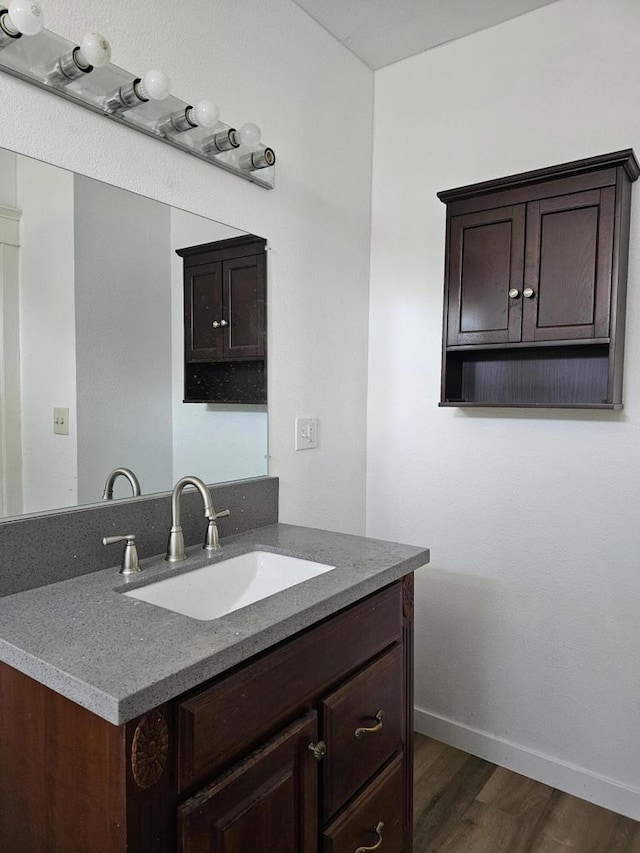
(82, 73)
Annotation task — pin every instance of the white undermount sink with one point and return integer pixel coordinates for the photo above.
(227, 585)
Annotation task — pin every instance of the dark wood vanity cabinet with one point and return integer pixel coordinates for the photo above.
(225, 321)
(305, 748)
(535, 286)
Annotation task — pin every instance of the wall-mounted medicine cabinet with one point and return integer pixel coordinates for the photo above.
(535, 287)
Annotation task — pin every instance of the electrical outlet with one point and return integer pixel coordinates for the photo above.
(306, 433)
(61, 421)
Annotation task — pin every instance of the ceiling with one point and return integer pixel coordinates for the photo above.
(380, 32)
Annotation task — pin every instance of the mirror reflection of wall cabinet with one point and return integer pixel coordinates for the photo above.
(225, 321)
(535, 286)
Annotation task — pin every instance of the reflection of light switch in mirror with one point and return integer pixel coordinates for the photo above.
(61, 421)
(306, 433)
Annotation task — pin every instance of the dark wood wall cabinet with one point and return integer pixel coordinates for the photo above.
(535, 286)
(225, 337)
(304, 748)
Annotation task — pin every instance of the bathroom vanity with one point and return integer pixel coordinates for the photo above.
(284, 726)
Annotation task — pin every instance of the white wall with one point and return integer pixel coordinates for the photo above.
(527, 622)
(218, 442)
(272, 64)
(47, 335)
(8, 180)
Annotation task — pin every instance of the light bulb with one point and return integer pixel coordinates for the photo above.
(205, 113)
(94, 50)
(25, 17)
(154, 86)
(249, 134)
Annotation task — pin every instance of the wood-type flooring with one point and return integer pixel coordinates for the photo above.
(463, 804)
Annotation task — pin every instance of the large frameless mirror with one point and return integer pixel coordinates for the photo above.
(91, 346)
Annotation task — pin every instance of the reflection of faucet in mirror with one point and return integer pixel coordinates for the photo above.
(175, 547)
(128, 474)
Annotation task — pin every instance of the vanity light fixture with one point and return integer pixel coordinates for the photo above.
(261, 159)
(84, 74)
(249, 134)
(204, 114)
(94, 51)
(23, 17)
(226, 140)
(154, 86)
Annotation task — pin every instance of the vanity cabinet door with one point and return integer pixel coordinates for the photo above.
(268, 802)
(486, 256)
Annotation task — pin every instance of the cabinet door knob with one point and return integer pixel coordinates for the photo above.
(378, 844)
(514, 293)
(223, 323)
(363, 731)
(215, 324)
(528, 292)
(318, 750)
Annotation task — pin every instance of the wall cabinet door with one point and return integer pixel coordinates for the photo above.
(243, 303)
(569, 250)
(552, 283)
(225, 309)
(486, 262)
(268, 802)
(203, 308)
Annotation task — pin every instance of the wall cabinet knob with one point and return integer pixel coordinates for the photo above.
(215, 324)
(528, 293)
(514, 293)
(223, 323)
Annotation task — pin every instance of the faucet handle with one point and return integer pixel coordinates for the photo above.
(130, 564)
(211, 538)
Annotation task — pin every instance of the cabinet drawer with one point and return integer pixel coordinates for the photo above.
(362, 725)
(381, 802)
(217, 725)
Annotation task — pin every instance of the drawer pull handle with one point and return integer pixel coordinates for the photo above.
(378, 844)
(363, 731)
(318, 750)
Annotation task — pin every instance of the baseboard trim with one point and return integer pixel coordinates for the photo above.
(543, 768)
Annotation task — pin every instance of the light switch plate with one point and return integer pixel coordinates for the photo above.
(61, 421)
(306, 433)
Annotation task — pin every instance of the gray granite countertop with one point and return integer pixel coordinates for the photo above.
(119, 657)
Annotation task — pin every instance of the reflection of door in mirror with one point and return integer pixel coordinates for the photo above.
(91, 321)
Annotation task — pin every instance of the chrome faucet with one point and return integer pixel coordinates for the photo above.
(175, 547)
(128, 474)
